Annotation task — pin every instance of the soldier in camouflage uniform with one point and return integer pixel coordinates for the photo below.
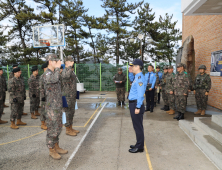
(34, 92)
(120, 80)
(42, 98)
(16, 91)
(156, 85)
(169, 90)
(53, 106)
(181, 86)
(2, 94)
(69, 91)
(163, 84)
(4, 88)
(201, 88)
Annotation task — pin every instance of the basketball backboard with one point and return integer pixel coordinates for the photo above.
(48, 36)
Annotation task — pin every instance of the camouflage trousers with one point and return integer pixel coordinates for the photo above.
(171, 100)
(181, 103)
(34, 104)
(70, 111)
(4, 97)
(42, 112)
(54, 126)
(120, 94)
(164, 96)
(16, 111)
(1, 108)
(201, 99)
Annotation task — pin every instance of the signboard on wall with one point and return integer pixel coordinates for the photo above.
(216, 63)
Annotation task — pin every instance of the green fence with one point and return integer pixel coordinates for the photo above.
(96, 77)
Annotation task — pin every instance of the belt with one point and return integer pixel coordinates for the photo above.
(132, 101)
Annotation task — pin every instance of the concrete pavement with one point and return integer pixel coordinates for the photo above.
(107, 143)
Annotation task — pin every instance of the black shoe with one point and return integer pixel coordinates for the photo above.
(147, 110)
(135, 150)
(164, 107)
(181, 117)
(123, 103)
(151, 110)
(176, 117)
(132, 146)
(155, 104)
(119, 103)
(167, 108)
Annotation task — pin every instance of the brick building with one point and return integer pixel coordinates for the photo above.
(206, 30)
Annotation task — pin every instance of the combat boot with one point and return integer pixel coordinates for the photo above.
(70, 132)
(43, 126)
(3, 122)
(178, 115)
(123, 103)
(13, 126)
(33, 116)
(60, 150)
(24, 113)
(54, 154)
(19, 122)
(5, 105)
(203, 113)
(198, 112)
(168, 111)
(164, 107)
(119, 103)
(181, 116)
(167, 108)
(172, 112)
(76, 131)
(37, 113)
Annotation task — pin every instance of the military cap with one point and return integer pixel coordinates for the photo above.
(180, 65)
(52, 57)
(34, 68)
(120, 69)
(15, 70)
(170, 67)
(157, 67)
(137, 62)
(202, 67)
(165, 67)
(14, 65)
(45, 65)
(69, 58)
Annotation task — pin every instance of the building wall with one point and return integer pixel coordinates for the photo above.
(207, 33)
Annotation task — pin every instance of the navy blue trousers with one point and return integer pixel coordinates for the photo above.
(137, 120)
(150, 99)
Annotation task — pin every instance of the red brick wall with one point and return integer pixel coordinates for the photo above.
(207, 33)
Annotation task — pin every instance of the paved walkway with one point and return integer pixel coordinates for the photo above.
(105, 135)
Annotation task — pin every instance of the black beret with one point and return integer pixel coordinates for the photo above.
(16, 70)
(45, 65)
(15, 65)
(157, 66)
(34, 68)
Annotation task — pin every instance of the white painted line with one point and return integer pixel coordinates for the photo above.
(83, 138)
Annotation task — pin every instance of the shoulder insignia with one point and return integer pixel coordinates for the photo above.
(139, 77)
(140, 83)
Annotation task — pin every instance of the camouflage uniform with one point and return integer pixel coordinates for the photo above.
(163, 84)
(1, 96)
(34, 93)
(42, 97)
(16, 88)
(69, 91)
(201, 86)
(4, 87)
(53, 105)
(11, 75)
(169, 87)
(181, 86)
(120, 87)
(156, 85)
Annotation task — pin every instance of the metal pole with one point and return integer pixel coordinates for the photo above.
(7, 72)
(127, 80)
(100, 70)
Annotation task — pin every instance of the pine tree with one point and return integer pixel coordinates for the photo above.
(117, 16)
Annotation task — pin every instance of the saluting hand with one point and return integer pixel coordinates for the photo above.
(206, 93)
(137, 111)
(171, 92)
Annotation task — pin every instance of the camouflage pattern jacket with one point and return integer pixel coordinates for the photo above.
(163, 81)
(3, 84)
(169, 82)
(53, 91)
(41, 87)
(33, 85)
(16, 88)
(68, 83)
(11, 75)
(202, 82)
(157, 79)
(120, 77)
(1, 87)
(181, 84)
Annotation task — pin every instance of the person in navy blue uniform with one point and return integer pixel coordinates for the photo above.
(160, 78)
(150, 88)
(136, 105)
